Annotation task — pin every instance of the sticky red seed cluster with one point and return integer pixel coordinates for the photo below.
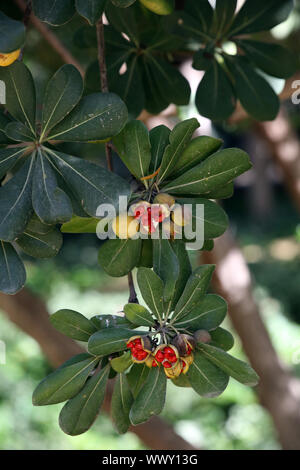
(166, 356)
(137, 349)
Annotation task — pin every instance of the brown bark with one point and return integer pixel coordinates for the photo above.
(278, 391)
(30, 314)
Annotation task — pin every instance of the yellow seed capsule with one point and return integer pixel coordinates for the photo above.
(125, 226)
(174, 371)
(181, 217)
(10, 58)
(163, 198)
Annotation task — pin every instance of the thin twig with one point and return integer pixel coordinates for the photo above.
(132, 293)
(50, 37)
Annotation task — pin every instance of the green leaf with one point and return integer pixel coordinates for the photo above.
(35, 225)
(110, 340)
(160, 7)
(138, 315)
(12, 271)
(159, 139)
(40, 246)
(16, 206)
(256, 16)
(179, 138)
(207, 315)
(4, 120)
(136, 377)
(185, 270)
(223, 16)
(20, 93)
(215, 219)
(124, 21)
(63, 92)
(155, 102)
(146, 259)
(122, 3)
(255, 94)
(181, 381)
(8, 159)
(90, 9)
(239, 370)
(111, 321)
(273, 59)
(221, 193)
(64, 383)
(96, 117)
(133, 146)
(12, 34)
(51, 204)
(121, 403)
(54, 12)
(152, 290)
(202, 12)
(79, 413)
(92, 184)
(73, 324)
(80, 225)
(19, 132)
(222, 339)
(151, 398)
(194, 291)
(121, 363)
(196, 151)
(203, 59)
(215, 172)
(172, 85)
(215, 97)
(119, 257)
(205, 378)
(166, 266)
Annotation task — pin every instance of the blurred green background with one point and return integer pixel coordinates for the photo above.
(269, 238)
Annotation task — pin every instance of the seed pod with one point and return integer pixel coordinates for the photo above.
(163, 198)
(183, 343)
(167, 355)
(174, 371)
(9, 58)
(138, 346)
(202, 336)
(151, 362)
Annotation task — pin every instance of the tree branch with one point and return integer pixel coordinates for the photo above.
(279, 392)
(51, 38)
(30, 314)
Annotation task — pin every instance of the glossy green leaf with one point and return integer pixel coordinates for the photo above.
(152, 290)
(215, 172)
(273, 59)
(121, 363)
(122, 3)
(20, 93)
(207, 315)
(215, 97)
(202, 12)
(255, 94)
(239, 370)
(16, 205)
(221, 193)
(206, 378)
(121, 402)
(63, 92)
(151, 398)
(256, 16)
(79, 413)
(111, 321)
(96, 117)
(118, 257)
(54, 12)
(4, 120)
(64, 383)
(19, 132)
(12, 34)
(35, 225)
(133, 146)
(50, 203)
(203, 59)
(109, 340)
(160, 7)
(222, 339)
(146, 259)
(194, 291)
(155, 102)
(196, 151)
(159, 139)
(181, 381)
(138, 315)
(215, 220)
(90, 9)
(179, 139)
(185, 270)
(12, 271)
(80, 225)
(124, 20)
(136, 377)
(223, 16)
(40, 246)
(8, 158)
(92, 184)
(73, 324)
(166, 266)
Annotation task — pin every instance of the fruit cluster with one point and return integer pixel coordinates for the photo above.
(166, 355)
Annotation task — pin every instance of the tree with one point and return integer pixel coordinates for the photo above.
(46, 191)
